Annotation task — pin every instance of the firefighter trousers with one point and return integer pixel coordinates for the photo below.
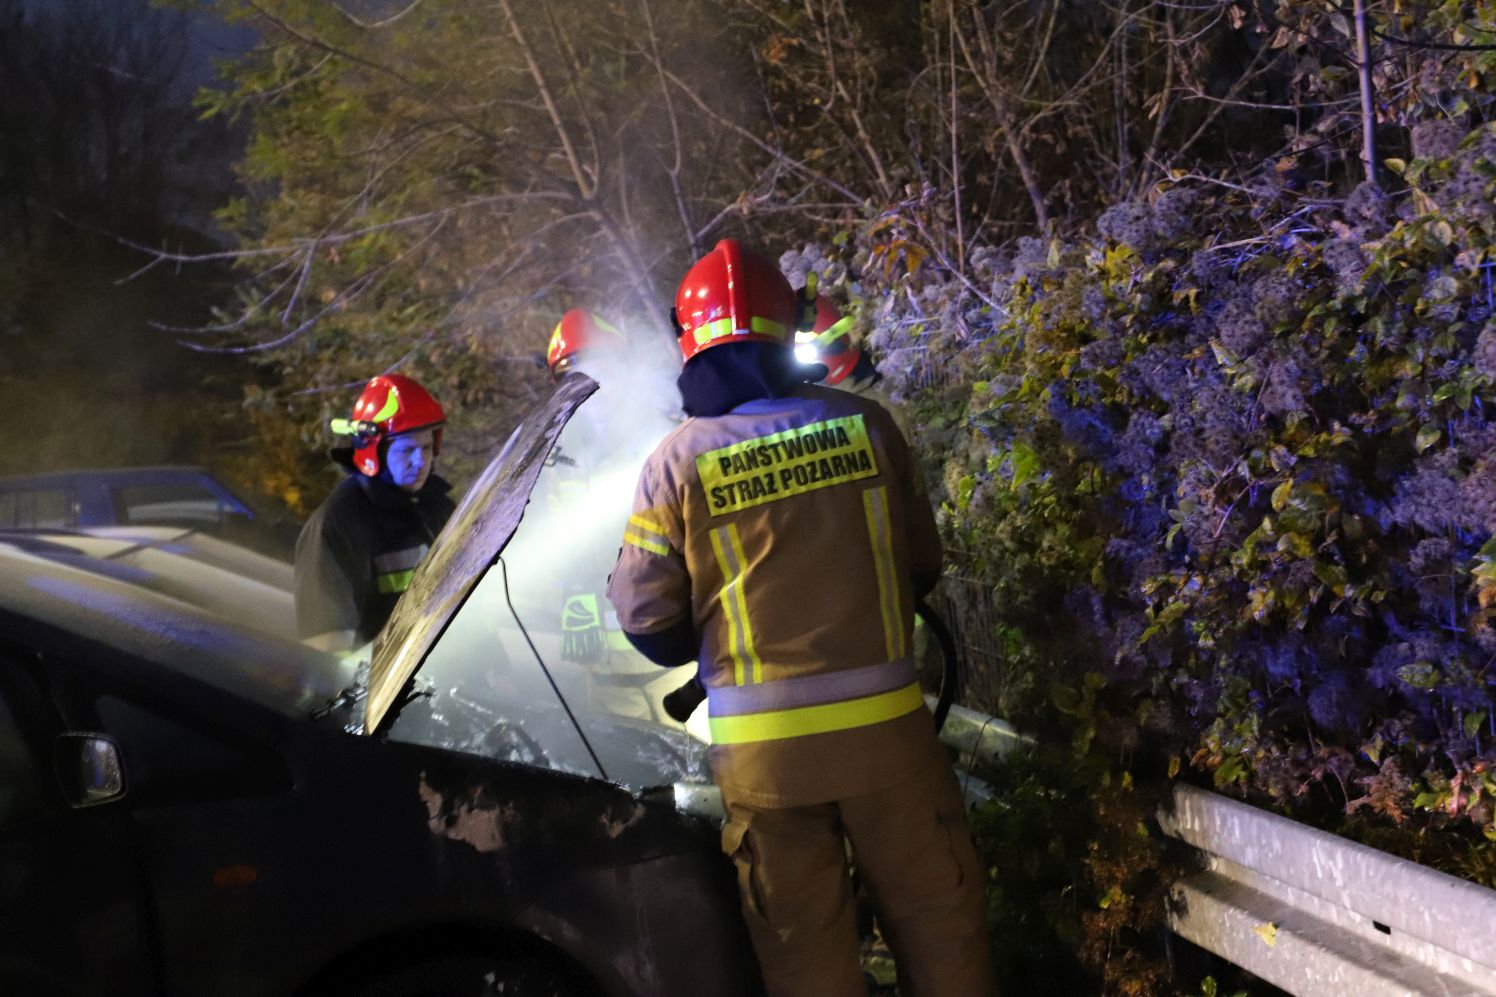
(913, 853)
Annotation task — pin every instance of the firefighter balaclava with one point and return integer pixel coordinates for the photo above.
(389, 405)
(578, 334)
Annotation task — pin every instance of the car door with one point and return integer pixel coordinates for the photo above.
(209, 799)
(72, 911)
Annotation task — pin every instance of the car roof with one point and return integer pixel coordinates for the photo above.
(116, 475)
(51, 606)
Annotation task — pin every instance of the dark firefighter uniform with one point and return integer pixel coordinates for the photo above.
(357, 552)
(789, 532)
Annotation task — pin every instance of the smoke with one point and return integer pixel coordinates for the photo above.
(571, 532)
(557, 567)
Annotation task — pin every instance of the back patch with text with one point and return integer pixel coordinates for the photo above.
(796, 461)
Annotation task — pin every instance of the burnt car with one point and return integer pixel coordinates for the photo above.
(188, 806)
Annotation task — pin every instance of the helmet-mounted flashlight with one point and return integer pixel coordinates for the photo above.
(360, 429)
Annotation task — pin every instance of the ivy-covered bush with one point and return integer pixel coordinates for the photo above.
(1228, 466)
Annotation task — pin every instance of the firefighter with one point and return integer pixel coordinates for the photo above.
(779, 538)
(829, 342)
(597, 447)
(357, 552)
(583, 341)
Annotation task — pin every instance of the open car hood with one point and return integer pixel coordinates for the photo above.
(471, 541)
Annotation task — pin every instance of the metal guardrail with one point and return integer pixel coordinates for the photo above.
(1315, 914)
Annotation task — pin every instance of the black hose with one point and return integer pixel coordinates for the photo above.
(950, 675)
(504, 573)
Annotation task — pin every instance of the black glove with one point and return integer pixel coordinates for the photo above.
(680, 704)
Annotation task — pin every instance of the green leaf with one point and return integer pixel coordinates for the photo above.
(1065, 699)
(1427, 437)
(1420, 675)
(1396, 165)
(1297, 544)
(1025, 465)
(964, 488)
(1473, 721)
(1280, 495)
(1333, 575)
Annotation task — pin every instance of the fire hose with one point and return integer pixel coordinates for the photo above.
(680, 703)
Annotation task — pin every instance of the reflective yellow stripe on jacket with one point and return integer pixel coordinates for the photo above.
(728, 546)
(753, 710)
(813, 704)
(393, 571)
(646, 534)
(880, 534)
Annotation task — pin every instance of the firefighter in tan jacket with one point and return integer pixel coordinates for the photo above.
(779, 539)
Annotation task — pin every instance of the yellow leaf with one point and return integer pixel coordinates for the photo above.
(1268, 932)
(1173, 766)
(1280, 495)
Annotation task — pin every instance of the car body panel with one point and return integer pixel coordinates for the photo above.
(47, 602)
(235, 582)
(49, 850)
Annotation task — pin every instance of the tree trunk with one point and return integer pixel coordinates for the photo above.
(1368, 103)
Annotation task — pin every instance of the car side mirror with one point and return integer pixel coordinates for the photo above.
(89, 768)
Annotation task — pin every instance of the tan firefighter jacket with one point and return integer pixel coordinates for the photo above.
(788, 532)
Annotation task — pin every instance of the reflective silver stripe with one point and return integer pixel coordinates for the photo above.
(811, 690)
(400, 560)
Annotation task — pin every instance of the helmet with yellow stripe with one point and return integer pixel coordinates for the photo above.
(389, 405)
(829, 342)
(734, 295)
(579, 332)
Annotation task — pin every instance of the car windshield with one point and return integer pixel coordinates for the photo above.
(532, 668)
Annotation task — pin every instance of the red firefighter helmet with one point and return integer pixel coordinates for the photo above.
(579, 331)
(733, 295)
(389, 405)
(829, 342)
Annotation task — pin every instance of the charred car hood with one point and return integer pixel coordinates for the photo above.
(471, 541)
